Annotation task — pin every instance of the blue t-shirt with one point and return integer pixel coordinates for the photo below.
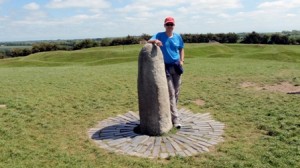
(171, 46)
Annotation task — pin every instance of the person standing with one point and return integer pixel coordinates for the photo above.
(172, 47)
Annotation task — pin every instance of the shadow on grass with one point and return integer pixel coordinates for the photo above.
(293, 93)
(126, 130)
(118, 131)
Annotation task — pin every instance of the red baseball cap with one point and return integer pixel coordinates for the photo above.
(169, 20)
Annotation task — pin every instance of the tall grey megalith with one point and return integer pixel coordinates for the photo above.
(153, 94)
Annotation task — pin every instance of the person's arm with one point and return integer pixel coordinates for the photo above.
(156, 42)
(181, 53)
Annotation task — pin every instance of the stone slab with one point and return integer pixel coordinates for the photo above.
(199, 132)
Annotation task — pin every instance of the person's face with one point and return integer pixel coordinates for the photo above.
(169, 26)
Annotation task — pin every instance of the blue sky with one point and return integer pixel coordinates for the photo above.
(72, 19)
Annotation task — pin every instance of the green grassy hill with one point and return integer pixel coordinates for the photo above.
(92, 56)
(118, 54)
(268, 52)
(53, 98)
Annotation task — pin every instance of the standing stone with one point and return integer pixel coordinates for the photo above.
(153, 94)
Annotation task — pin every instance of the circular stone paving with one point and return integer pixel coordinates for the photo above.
(197, 134)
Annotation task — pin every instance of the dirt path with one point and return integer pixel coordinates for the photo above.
(284, 87)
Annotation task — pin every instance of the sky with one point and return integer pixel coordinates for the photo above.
(22, 20)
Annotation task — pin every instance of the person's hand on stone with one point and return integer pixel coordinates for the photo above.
(158, 43)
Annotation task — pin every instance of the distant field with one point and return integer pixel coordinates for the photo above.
(53, 98)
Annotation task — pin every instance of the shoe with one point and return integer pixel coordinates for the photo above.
(178, 125)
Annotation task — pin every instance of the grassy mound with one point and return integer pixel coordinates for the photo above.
(119, 54)
(91, 56)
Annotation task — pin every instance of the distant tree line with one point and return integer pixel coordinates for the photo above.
(70, 45)
(256, 38)
(249, 38)
(51, 46)
(286, 37)
(205, 38)
(125, 40)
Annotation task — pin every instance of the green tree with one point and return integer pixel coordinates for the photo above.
(265, 39)
(211, 37)
(2, 55)
(186, 38)
(203, 38)
(87, 43)
(130, 40)
(17, 52)
(252, 38)
(279, 39)
(232, 37)
(106, 42)
(298, 40)
(145, 37)
(117, 41)
(26, 51)
(42, 47)
(221, 38)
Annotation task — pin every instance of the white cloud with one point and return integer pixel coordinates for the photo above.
(216, 4)
(263, 20)
(3, 18)
(280, 4)
(155, 11)
(193, 6)
(32, 6)
(78, 4)
(154, 5)
(32, 18)
(224, 15)
(82, 18)
(291, 15)
(103, 18)
(134, 8)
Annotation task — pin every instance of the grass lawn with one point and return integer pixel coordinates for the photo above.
(53, 98)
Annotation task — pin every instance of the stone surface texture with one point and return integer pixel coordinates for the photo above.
(198, 133)
(153, 94)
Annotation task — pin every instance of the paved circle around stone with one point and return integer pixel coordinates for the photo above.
(197, 134)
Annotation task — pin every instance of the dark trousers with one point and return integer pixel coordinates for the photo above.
(174, 82)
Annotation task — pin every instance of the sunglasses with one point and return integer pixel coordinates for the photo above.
(169, 24)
